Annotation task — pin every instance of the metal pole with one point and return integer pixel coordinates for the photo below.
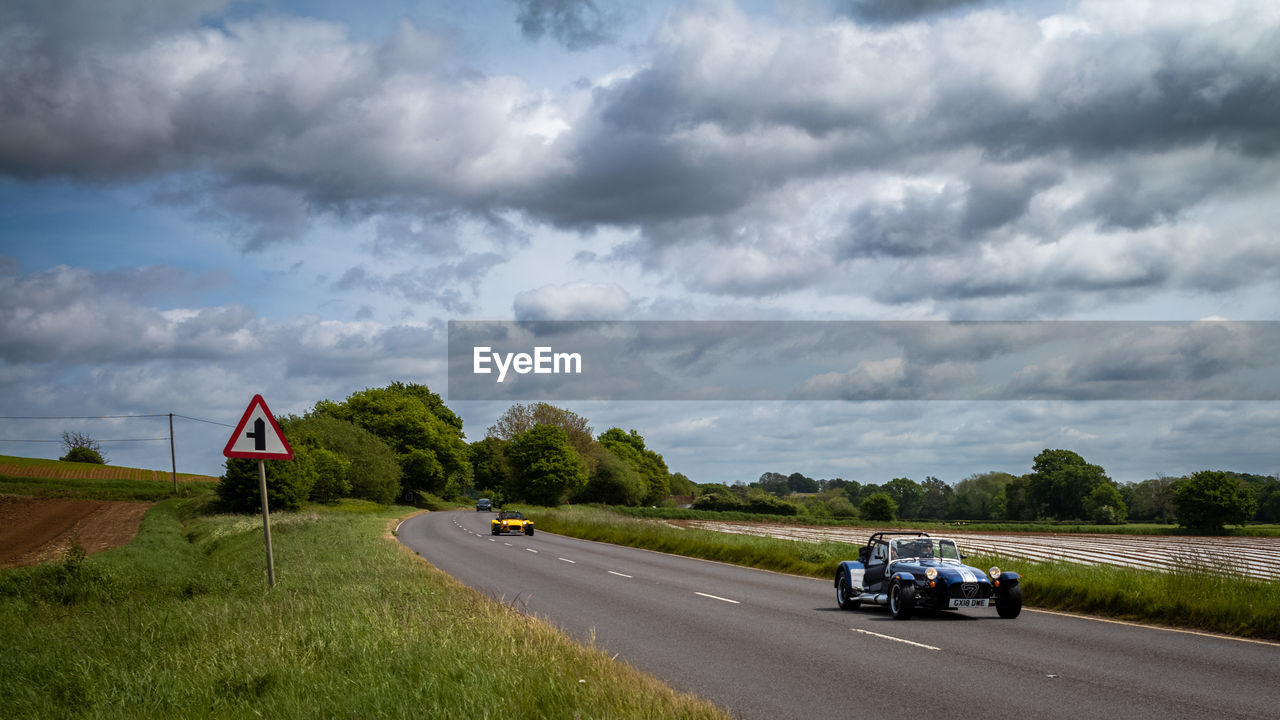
(173, 457)
(266, 522)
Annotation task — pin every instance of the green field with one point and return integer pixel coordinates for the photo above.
(58, 479)
(1205, 598)
(180, 623)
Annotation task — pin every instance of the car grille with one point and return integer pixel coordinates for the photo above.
(970, 590)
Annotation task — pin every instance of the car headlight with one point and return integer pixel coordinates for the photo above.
(994, 572)
(931, 573)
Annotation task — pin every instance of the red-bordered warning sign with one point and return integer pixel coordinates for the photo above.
(258, 435)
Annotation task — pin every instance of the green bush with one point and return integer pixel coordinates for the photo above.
(372, 472)
(331, 476)
(84, 455)
(289, 483)
(879, 506)
(1211, 499)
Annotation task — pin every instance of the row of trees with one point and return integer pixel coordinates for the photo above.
(1061, 486)
(400, 442)
(547, 455)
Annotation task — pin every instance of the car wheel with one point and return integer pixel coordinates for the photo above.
(845, 597)
(1009, 602)
(902, 600)
(528, 531)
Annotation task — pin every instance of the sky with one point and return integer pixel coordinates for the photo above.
(201, 200)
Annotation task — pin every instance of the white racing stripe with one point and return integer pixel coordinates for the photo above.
(890, 637)
(717, 597)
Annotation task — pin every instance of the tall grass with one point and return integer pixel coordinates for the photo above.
(180, 623)
(1201, 594)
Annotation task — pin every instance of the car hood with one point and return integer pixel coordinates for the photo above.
(949, 571)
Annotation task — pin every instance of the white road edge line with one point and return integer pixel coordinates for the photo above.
(1155, 627)
(618, 574)
(571, 562)
(717, 597)
(890, 637)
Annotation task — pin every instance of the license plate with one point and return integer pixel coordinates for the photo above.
(966, 602)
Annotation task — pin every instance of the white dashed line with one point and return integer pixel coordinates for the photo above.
(531, 550)
(571, 562)
(618, 574)
(890, 637)
(717, 597)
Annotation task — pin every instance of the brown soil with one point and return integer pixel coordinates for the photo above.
(37, 530)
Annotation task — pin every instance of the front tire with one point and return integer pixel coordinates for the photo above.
(528, 531)
(902, 600)
(845, 597)
(1009, 602)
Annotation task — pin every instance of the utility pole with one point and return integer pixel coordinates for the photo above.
(173, 457)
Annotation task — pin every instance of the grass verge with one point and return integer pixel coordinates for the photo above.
(1198, 596)
(180, 623)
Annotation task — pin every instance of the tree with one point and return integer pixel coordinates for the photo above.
(81, 447)
(545, 469)
(1105, 506)
(907, 495)
(1210, 500)
(679, 484)
(614, 482)
(629, 445)
(1060, 482)
(521, 418)
(1014, 501)
(976, 495)
(798, 483)
(774, 484)
(937, 500)
(1152, 500)
(879, 506)
(372, 470)
(331, 482)
(289, 483)
(425, 435)
(489, 467)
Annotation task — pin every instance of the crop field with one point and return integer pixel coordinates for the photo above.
(60, 470)
(1251, 556)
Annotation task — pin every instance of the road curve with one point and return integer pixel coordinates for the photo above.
(766, 645)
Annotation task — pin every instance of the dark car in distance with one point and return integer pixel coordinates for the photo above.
(483, 505)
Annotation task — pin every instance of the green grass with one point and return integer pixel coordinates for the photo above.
(180, 623)
(1199, 597)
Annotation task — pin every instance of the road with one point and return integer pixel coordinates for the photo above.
(767, 645)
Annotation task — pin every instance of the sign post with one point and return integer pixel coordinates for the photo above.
(258, 436)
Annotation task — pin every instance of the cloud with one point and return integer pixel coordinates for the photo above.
(573, 301)
(576, 24)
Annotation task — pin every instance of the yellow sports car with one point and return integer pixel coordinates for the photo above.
(511, 522)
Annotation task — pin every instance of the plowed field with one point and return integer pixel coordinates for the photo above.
(1252, 556)
(37, 530)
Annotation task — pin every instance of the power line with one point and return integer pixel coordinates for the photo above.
(211, 422)
(100, 441)
(78, 417)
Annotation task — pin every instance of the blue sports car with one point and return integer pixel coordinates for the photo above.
(907, 571)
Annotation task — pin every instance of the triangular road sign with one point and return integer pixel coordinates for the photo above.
(258, 436)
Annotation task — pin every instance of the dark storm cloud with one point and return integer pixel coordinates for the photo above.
(881, 11)
(576, 24)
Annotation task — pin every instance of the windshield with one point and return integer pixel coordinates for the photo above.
(923, 549)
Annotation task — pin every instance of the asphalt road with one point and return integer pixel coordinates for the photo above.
(766, 645)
